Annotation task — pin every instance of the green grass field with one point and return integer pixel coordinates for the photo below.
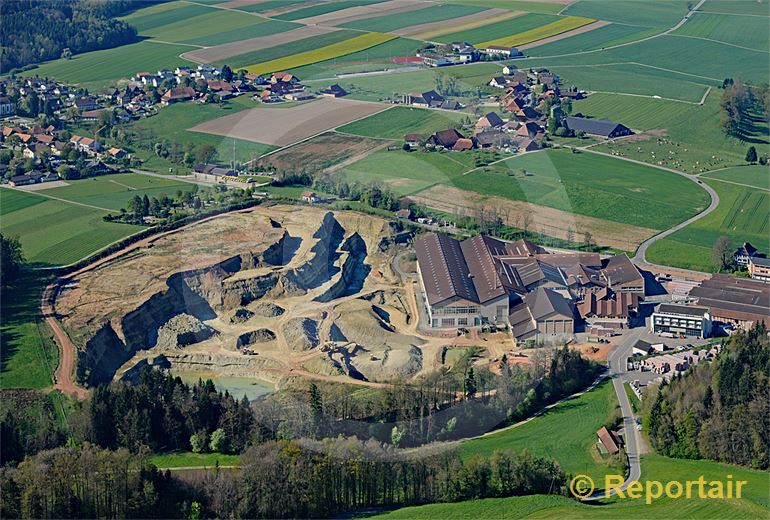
(262, 28)
(559, 26)
(661, 13)
(691, 140)
(756, 176)
(516, 5)
(592, 185)
(274, 4)
(99, 69)
(392, 22)
(28, 353)
(317, 10)
(613, 34)
(754, 504)
(635, 403)
(193, 460)
(736, 7)
(409, 172)
(743, 215)
(54, 232)
(499, 29)
(145, 20)
(746, 31)
(401, 120)
(639, 113)
(566, 433)
(113, 191)
(171, 124)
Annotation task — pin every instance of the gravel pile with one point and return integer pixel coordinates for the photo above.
(183, 330)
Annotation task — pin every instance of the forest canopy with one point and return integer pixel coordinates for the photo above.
(38, 30)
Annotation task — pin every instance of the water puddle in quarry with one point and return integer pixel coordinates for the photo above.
(253, 388)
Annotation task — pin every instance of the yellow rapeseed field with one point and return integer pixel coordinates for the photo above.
(538, 33)
(355, 44)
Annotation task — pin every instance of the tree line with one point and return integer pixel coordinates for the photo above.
(718, 410)
(286, 479)
(38, 30)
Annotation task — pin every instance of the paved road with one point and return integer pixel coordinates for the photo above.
(617, 373)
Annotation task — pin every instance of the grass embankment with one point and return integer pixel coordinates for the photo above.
(565, 433)
(754, 504)
(28, 353)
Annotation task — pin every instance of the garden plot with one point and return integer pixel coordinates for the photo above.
(285, 126)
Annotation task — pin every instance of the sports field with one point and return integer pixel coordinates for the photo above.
(546, 436)
(591, 185)
(743, 215)
(559, 26)
(54, 232)
(400, 120)
(113, 191)
(754, 504)
(355, 44)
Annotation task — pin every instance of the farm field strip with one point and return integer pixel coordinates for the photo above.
(551, 29)
(755, 176)
(432, 30)
(58, 233)
(238, 48)
(569, 34)
(197, 28)
(316, 12)
(744, 32)
(398, 120)
(530, 6)
(355, 44)
(498, 29)
(445, 26)
(352, 14)
(607, 36)
(429, 13)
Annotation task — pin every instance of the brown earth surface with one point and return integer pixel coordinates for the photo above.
(227, 50)
(286, 126)
(329, 151)
(552, 221)
(235, 4)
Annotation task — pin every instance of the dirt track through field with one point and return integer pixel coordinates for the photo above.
(447, 26)
(568, 34)
(553, 222)
(227, 50)
(352, 14)
(285, 126)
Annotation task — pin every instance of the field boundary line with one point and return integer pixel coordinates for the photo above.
(658, 98)
(733, 182)
(336, 131)
(737, 14)
(501, 160)
(164, 42)
(63, 200)
(720, 42)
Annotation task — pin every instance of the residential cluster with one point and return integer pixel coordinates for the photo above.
(541, 296)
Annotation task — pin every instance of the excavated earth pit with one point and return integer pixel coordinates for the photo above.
(271, 293)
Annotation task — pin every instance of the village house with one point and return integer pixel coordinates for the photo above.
(498, 82)
(7, 108)
(176, 95)
(444, 139)
(641, 348)
(427, 99)
(310, 197)
(603, 128)
(85, 103)
(413, 140)
(503, 51)
(490, 120)
(744, 253)
(608, 441)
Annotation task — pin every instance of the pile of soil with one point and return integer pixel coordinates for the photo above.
(183, 330)
(241, 316)
(256, 336)
(301, 333)
(268, 310)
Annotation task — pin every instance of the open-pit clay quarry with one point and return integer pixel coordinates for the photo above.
(270, 293)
